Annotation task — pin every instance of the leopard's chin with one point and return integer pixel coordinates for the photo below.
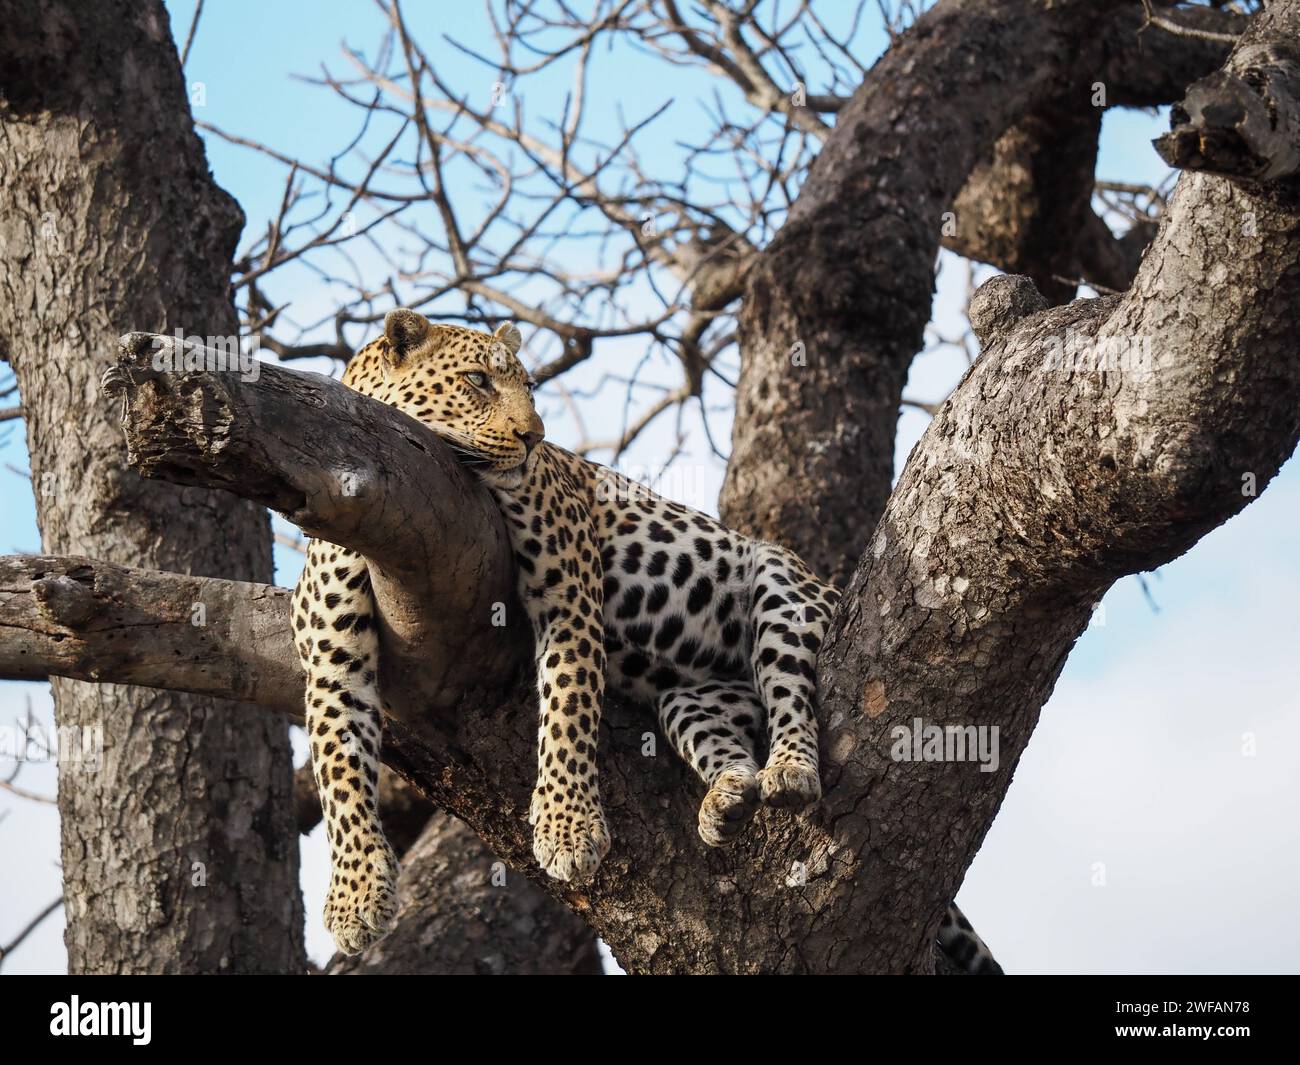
(507, 479)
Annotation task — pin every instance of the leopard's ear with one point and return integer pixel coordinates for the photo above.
(509, 335)
(405, 330)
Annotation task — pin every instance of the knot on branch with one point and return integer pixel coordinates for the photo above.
(999, 304)
(65, 601)
(1242, 122)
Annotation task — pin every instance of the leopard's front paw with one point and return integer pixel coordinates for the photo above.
(728, 806)
(792, 783)
(570, 836)
(362, 903)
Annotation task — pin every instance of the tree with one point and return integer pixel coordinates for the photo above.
(1091, 439)
(178, 852)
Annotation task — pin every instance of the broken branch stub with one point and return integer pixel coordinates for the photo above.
(1241, 122)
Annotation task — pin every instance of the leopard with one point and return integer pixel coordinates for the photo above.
(714, 632)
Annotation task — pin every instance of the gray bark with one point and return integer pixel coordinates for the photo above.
(836, 307)
(1041, 481)
(108, 215)
(464, 907)
(1027, 207)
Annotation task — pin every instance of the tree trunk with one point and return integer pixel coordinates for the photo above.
(179, 852)
(1088, 441)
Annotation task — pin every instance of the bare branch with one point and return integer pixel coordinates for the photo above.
(8, 948)
(1183, 29)
(189, 37)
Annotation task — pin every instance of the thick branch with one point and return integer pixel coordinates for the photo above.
(1027, 208)
(1088, 442)
(378, 482)
(837, 304)
(1148, 66)
(1037, 485)
(94, 621)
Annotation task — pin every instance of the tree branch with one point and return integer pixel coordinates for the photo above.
(1244, 121)
(837, 304)
(1027, 208)
(1149, 65)
(95, 621)
(378, 482)
(1041, 480)
(1088, 442)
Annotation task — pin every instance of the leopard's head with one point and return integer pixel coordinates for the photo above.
(469, 387)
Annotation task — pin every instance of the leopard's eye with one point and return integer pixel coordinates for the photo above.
(477, 379)
(531, 384)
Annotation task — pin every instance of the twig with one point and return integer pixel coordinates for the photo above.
(31, 926)
(189, 37)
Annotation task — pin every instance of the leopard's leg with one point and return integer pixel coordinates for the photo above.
(790, 609)
(716, 728)
(333, 611)
(570, 836)
(561, 590)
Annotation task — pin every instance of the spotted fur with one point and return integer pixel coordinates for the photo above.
(961, 943)
(717, 632)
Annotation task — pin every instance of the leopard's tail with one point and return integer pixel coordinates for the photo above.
(959, 941)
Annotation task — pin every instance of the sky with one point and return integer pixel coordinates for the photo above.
(1150, 825)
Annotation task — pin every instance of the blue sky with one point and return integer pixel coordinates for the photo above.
(1137, 834)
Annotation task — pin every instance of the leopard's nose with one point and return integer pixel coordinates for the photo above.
(533, 435)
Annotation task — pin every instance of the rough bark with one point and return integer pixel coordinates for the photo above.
(95, 621)
(108, 215)
(836, 306)
(1147, 66)
(1040, 481)
(1027, 208)
(465, 908)
(1087, 442)
(1243, 121)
